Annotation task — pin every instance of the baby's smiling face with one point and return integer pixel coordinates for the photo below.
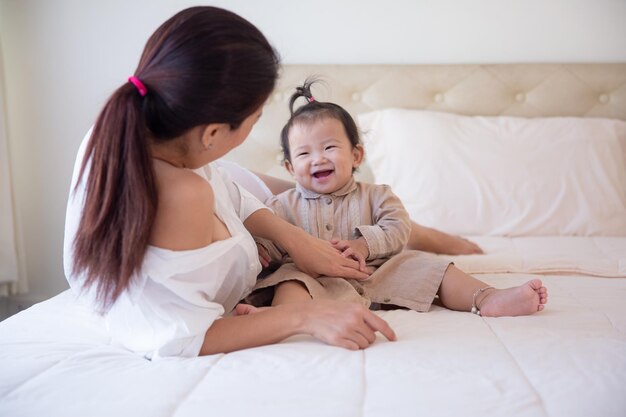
(322, 157)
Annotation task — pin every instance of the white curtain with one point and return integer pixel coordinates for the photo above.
(10, 282)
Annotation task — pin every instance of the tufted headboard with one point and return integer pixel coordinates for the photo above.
(528, 90)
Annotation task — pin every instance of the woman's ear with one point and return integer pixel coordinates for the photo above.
(212, 133)
(358, 154)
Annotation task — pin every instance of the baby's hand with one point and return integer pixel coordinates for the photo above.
(264, 256)
(356, 249)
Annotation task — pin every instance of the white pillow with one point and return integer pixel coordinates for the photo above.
(502, 175)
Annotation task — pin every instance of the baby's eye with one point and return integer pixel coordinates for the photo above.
(301, 154)
(330, 147)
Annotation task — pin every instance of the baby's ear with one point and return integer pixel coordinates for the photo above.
(288, 167)
(358, 153)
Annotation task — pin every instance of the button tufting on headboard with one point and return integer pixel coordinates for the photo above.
(528, 90)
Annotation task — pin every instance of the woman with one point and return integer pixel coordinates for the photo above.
(156, 239)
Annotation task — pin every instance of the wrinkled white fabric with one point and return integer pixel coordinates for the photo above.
(566, 361)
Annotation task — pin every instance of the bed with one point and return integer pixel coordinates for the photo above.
(568, 360)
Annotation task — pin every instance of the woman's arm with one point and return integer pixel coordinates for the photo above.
(347, 325)
(431, 240)
(276, 185)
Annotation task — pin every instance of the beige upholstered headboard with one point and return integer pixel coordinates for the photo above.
(528, 90)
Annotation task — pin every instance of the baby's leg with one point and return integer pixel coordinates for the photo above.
(457, 290)
(290, 292)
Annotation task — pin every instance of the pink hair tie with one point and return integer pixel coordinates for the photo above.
(139, 85)
(311, 99)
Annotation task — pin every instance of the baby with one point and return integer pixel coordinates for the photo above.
(367, 222)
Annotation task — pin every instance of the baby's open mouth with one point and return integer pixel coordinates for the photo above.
(323, 174)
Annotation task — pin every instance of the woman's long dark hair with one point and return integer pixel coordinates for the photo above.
(204, 65)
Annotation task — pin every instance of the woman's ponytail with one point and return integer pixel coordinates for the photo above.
(120, 197)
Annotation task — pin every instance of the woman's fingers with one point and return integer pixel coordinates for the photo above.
(363, 333)
(351, 272)
(369, 270)
(347, 344)
(359, 340)
(321, 258)
(348, 251)
(475, 248)
(346, 268)
(460, 246)
(471, 247)
(351, 253)
(367, 333)
(340, 244)
(378, 324)
(351, 326)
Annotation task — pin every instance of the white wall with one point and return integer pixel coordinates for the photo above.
(64, 57)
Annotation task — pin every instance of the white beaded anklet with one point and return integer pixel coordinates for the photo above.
(475, 309)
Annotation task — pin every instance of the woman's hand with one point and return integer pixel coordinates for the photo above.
(312, 255)
(457, 245)
(317, 257)
(348, 325)
(356, 249)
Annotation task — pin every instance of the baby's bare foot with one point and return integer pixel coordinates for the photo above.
(526, 299)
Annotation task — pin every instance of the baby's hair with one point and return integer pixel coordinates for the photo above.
(313, 111)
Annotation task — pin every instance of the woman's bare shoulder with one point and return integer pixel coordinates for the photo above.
(184, 218)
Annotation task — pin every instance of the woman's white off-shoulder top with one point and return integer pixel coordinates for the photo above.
(177, 295)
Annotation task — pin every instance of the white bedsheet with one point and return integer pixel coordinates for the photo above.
(569, 360)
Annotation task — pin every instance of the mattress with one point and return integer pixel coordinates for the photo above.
(569, 360)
